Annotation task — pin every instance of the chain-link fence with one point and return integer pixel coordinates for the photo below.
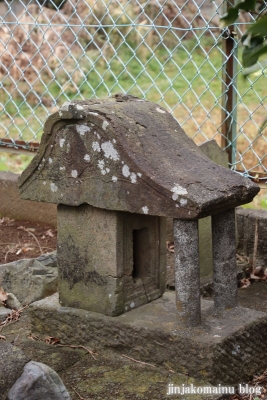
(168, 51)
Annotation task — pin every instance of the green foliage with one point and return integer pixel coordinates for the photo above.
(254, 39)
(232, 15)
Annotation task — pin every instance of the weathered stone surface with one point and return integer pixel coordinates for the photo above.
(38, 381)
(56, 357)
(246, 223)
(224, 261)
(212, 150)
(109, 262)
(128, 154)
(223, 350)
(205, 247)
(187, 274)
(12, 361)
(12, 302)
(3, 313)
(30, 279)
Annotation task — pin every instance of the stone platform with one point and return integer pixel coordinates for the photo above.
(226, 350)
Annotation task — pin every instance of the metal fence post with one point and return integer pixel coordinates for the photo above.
(229, 98)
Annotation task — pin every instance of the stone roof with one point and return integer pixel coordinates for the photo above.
(128, 154)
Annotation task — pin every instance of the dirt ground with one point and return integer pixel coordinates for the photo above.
(23, 239)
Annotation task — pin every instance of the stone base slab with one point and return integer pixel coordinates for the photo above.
(226, 350)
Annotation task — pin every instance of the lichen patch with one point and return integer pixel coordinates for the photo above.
(101, 164)
(79, 107)
(61, 142)
(82, 129)
(86, 157)
(178, 191)
(183, 202)
(110, 151)
(114, 178)
(96, 146)
(133, 177)
(53, 187)
(105, 125)
(175, 196)
(74, 173)
(65, 106)
(160, 110)
(145, 209)
(126, 171)
(102, 167)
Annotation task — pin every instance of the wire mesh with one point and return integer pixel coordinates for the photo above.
(167, 51)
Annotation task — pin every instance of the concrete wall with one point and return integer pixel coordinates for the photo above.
(12, 206)
(246, 225)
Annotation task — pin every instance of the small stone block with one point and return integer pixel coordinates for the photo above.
(109, 261)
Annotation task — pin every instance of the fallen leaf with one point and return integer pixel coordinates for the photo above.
(25, 249)
(2, 337)
(52, 340)
(245, 283)
(252, 276)
(32, 337)
(49, 233)
(3, 295)
(258, 270)
(170, 246)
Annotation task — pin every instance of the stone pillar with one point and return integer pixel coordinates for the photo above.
(224, 261)
(187, 280)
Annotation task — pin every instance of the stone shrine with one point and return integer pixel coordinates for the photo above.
(116, 168)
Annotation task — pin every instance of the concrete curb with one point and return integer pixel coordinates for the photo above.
(12, 206)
